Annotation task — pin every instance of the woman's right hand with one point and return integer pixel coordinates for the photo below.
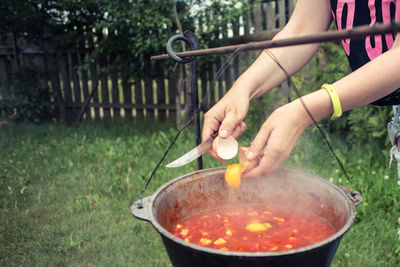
(226, 117)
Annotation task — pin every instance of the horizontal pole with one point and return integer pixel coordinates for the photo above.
(354, 33)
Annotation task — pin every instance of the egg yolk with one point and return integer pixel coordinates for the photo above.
(258, 227)
(233, 175)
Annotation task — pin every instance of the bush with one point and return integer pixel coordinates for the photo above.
(29, 97)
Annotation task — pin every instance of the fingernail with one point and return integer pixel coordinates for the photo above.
(250, 155)
(223, 133)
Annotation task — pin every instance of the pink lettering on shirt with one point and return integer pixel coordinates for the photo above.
(386, 17)
(373, 52)
(349, 20)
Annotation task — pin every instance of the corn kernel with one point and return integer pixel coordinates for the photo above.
(205, 241)
(278, 219)
(288, 246)
(179, 226)
(219, 241)
(229, 232)
(184, 232)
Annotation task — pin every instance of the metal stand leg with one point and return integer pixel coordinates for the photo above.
(193, 42)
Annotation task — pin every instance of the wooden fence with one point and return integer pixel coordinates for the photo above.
(155, 97)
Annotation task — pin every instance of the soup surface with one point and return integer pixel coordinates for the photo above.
(253, 229)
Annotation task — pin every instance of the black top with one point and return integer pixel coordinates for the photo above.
(351, 13)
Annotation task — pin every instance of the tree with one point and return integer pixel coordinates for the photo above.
(123, 33)
(53, 26)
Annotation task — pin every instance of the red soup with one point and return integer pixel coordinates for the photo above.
(252, 229)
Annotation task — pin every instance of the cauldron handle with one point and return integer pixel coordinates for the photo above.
(140, 209)
(352, 194)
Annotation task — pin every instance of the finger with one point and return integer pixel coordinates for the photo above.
(210, 126)
(259, 142)
(251, 166)
(229, 124)
(239, 129)
(269, 162)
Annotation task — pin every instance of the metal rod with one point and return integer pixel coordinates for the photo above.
(191, 39)
(195, 94)
(354, 33)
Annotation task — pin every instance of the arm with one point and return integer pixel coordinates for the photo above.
(280, 132)
(263, 75)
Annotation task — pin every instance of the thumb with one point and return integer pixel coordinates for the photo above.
(228, 125)
(258, 143)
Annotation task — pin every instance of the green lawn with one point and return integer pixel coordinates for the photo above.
(65, 193)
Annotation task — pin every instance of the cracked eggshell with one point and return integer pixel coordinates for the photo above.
(247, 164)
(225, 148)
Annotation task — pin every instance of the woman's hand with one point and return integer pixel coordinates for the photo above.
(277, 137)
(226, 117)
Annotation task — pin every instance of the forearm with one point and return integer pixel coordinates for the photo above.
(264, 74)
(369, 83)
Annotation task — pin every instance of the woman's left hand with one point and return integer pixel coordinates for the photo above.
(277, 137)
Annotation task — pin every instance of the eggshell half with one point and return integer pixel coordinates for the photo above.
(247, 164)
(225, 148)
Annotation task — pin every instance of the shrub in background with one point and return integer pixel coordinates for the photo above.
(29, 96)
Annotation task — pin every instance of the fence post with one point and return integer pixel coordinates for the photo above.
(127, 94)
(257, 17)
(172, 72)
(12, 42)
(281, 12)
(66, 87)
(115, 96)
(95, 92)
(162, 116)
(139, 99)
(3, 79)
(292, 4)
(270, 11)
(149, 94)
(218, 65)
(55, 83)
(211, 100)
(85, 87)
(105, 92)
(75, 80)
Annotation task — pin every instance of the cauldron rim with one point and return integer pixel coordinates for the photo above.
(337, 235)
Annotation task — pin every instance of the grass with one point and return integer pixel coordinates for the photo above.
(65, 193)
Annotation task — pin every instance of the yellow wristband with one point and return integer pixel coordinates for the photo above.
(337, 107)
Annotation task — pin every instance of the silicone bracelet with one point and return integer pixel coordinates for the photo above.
(337, 107)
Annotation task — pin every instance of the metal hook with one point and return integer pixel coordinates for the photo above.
(172, 54)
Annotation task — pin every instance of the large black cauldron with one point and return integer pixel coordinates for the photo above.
(206, 189)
